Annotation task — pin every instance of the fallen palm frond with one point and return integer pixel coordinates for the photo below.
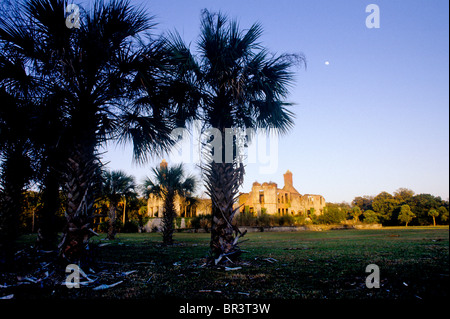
(232, 268)
(271, 260)
(105, 286)
(46, 271)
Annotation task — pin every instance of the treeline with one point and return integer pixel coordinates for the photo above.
(131, 212)
(403, 207)
(388, 209)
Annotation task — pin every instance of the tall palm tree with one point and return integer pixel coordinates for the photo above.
(94, 73)
(117, 185)
(237, 84)
(166, 184)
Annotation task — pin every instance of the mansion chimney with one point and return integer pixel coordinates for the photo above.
(163, 164)
(288, 179)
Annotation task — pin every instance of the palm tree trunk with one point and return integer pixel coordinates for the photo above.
(112, 221)
(81, 185)
(124, 208)
(15, 175)
(33, 220)
(168, 219)
(9, 227)
(222, 184)
(47, 233)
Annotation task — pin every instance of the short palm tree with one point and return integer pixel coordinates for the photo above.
(117, 185)
(166, 184)
(236, 84)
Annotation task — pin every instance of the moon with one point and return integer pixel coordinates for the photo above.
(327, 62)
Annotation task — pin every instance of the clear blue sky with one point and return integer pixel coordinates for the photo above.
(376, 118)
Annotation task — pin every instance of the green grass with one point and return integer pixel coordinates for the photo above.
(413, 262)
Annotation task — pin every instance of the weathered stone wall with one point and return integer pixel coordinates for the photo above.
(155, 207)
(156, 223)
(283, 201)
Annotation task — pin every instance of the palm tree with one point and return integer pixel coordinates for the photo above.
(16, 148)
(167, 183)
(236, 84)
(18, 36)
(93, 73)
(117, 185)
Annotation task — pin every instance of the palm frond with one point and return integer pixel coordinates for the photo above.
(149, 135)
(117, 183)
(169, 180)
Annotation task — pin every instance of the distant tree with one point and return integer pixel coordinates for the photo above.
(332, 214)
(363, 202)
(356, 212)
(32, 203)
(406, 215)
(443, 212)
(117, 185)
(421, 204)
(370, 217)
(166, 184)
(137, 210)
(433, 213)
(384, 204)
(403, 194)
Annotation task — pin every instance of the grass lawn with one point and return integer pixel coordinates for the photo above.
(413, 263)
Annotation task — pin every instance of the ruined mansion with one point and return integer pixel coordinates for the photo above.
(263, 198)
(268, 198)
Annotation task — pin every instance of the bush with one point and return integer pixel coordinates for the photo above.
(264, 220)
(267, 220)
(143, 221)
(202, 221)
(177, 222)
(246, 219)
(286, 220)
(332, 215)
(187, 222)
(131, 226)
(299, 220)
(370, 217)
(103, 226)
